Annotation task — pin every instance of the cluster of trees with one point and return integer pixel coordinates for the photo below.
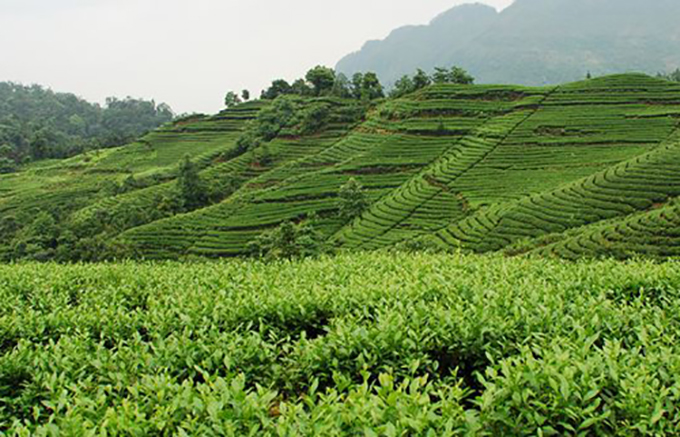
(233, 99)
(46, 236)
(324, 81)
(37, 123)
(290, 240)
(408, 84)
(287, 116)
(674, 76)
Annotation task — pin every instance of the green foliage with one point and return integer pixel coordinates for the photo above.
(459, 76)
(7, 165)
(352, 200)
(288, 241)
(301, 88)
(322, 80)
(263, 156)
(674, 76)
(232, 99)
(441, 75)
(421, 80)
(371, 88)
(38, 123)
(288, 115)
(359, 344)
(402, 87)
(38, 241)
(313, 118)
(357, 85)
(342, 87)
(190, 187)
(278, 88)
(583, 169)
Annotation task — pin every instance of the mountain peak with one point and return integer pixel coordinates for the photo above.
(533, 42)
(467, 10)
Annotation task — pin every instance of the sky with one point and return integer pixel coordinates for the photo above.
(189, 53)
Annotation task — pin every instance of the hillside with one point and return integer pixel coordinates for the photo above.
(582, 169)
(532, 42)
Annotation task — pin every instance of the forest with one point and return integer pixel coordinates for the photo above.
(37, 123)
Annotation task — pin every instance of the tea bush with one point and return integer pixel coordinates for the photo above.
(355, 344)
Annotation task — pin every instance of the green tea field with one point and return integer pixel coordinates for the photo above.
(586, 169)
(374, 344)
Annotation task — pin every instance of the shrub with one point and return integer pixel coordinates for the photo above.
(352, 201)
(289, 240)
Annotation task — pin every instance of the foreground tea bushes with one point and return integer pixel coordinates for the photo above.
(368, 344)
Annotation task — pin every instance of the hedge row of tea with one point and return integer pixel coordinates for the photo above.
(111, 190)
(478, 168)
(370, 344)
(481, 168)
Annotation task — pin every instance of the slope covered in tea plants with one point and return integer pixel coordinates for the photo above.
(470, 167)
(373, 343)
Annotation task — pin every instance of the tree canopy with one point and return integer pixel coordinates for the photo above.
(453, 75)
(352, 200)
(324, 81)
(37, 123)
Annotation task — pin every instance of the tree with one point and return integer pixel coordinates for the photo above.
(322, 79)
(231, 99)
(39, 123)
(371, 87)
(301, 88)
(289, 241)
(674, 76)
(402, 87)
(189, 185)
(589, 76)
(245, 95)
(421, 80)
(6, 151)
(37, 240)
(342, 87)
(357, 85)
(314, 118)
(461, 77)
(278, 88)
(352, 200)
(441, 75)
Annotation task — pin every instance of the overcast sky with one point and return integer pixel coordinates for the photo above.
(188, 53)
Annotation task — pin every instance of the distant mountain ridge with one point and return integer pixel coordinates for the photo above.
(532, 42)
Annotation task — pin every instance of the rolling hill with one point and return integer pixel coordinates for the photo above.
(582, 169)
(532, 42)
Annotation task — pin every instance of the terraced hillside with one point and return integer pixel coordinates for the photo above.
(581, 169)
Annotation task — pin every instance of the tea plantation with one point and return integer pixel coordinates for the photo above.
(510, 268)
(585, 169)
(358, 344)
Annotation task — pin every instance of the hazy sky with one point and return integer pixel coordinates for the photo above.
(188, 53)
